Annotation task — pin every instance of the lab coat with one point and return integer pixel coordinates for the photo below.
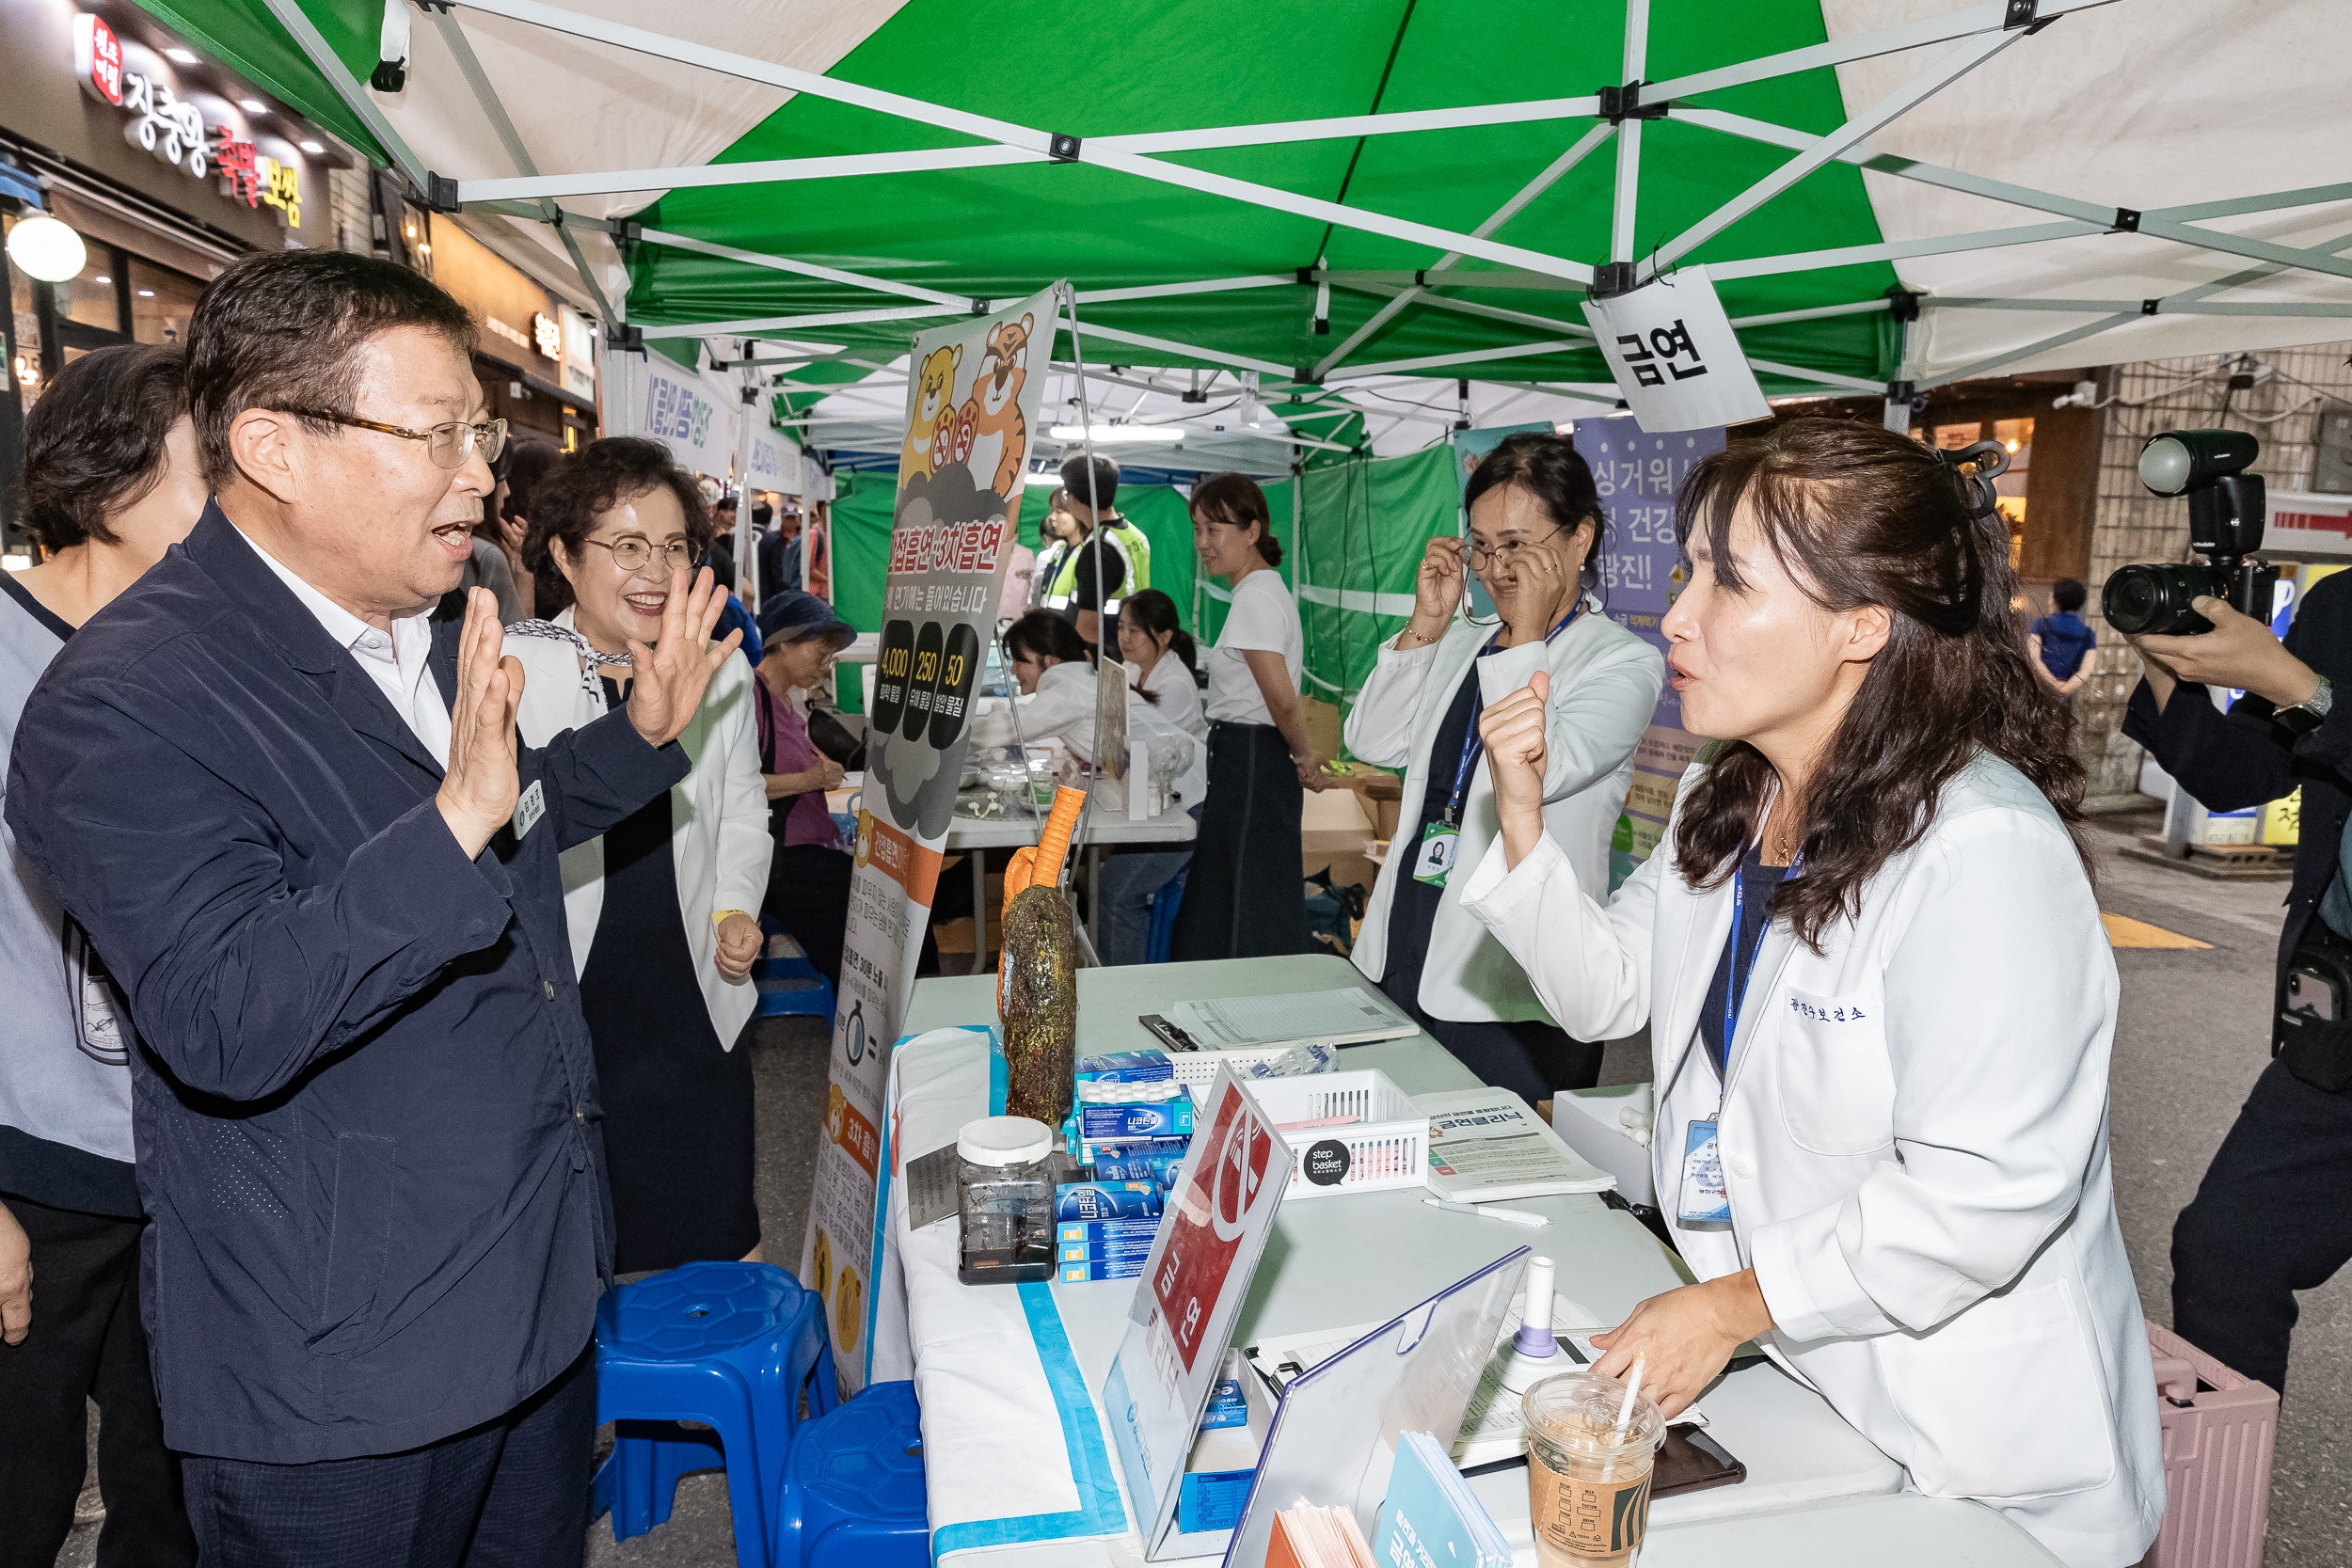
(1914, 1141)
(1063, 709)
(1604, 688)
(718, 812)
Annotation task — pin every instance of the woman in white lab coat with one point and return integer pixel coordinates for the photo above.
(1536, 543)
(1894, 1172)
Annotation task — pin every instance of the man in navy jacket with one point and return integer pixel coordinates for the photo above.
(288, 803)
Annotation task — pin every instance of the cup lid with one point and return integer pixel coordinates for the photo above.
(1579, 1410)
(1005, 1141)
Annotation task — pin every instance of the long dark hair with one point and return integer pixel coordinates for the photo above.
(1042, 634)
(1236, 500)
(1860, 515)
(1553, 473)
(1155, 613)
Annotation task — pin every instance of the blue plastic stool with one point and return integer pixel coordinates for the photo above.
(788, 983)
(729, 1344)
(853, 1494)
(1160, 936)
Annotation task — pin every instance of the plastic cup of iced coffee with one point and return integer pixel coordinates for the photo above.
(1587, 1481)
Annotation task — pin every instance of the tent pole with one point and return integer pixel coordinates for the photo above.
(1861, 46)
(696, 176)
(1502, 215)
(1514, 351)
(1896, 413)
(910, 312)
(1924, 85)
(744, 545)
(954, 303)
(289, 16)
(2164, 307)
(1624, 208)
(1896, 250)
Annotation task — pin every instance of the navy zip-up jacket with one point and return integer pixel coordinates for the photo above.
(364, 1101)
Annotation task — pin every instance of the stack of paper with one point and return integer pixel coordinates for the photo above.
(1485, 1145)
(1349, 1017)
(1430, 1520)
(1306, 1536)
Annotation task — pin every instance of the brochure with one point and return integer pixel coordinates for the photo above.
(1485, 1146)
(1430, 1520)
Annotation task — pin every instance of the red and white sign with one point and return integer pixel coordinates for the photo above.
(2303, 523)
(98, 59)
(1206, 1222)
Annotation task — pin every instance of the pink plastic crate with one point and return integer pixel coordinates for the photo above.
(2218, 1430)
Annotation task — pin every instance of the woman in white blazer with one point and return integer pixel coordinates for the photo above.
(660, 907)
(1536, 521)
(1882, 1069)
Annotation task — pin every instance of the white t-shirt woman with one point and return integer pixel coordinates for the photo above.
(1261, 616)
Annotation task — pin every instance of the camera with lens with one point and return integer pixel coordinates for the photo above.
(2225, 526)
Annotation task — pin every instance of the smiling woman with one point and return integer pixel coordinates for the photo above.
(660, 907)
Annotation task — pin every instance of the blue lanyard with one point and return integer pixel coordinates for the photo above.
(1735, 983)
(1474, 744)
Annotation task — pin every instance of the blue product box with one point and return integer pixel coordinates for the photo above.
(1166, 1119)
(1099, 1232)
(1106, 1200)
(1227, 1408)
(1126, 1163)
(1104, 1252)
(1080, 1274)
(1095, 1151)
(1212, 1499)
(1125, 1067)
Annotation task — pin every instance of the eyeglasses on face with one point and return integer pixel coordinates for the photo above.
(631, 553)
(449, 445)
(1483, 558)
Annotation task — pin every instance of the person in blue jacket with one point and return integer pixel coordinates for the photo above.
(278, 782)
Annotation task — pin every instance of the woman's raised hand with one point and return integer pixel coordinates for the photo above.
(670, 675)
(1513, 730)
(1437, 588)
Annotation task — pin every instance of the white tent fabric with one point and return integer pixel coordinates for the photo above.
(2145, 103)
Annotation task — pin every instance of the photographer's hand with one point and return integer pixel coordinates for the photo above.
(2238, 652)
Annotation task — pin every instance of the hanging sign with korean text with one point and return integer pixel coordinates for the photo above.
(1675, 359)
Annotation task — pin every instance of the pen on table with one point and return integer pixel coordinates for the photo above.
(1513, 1216)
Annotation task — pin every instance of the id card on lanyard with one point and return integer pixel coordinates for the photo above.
(1443, 839)
(1706, 1202)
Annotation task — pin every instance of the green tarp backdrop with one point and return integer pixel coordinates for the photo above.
(1365, 521)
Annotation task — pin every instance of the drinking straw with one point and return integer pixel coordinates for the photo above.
(1632, 1391)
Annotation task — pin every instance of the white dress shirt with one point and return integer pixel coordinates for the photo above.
(398, 661)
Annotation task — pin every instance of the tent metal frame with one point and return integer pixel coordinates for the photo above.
(1983, 31)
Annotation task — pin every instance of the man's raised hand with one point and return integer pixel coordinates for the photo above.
(670, 676)
(477, 790)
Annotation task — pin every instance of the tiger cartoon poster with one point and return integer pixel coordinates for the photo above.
(974, 389)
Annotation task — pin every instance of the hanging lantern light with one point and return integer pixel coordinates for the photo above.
(46, 249)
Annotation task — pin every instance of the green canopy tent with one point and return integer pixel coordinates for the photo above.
(1890, 194)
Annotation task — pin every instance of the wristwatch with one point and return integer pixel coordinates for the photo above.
(2307, 715)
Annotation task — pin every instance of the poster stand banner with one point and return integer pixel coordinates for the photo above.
(1219, 1213)
(972, 406)
(1642, 574)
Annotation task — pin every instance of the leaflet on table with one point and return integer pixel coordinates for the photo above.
(1336, 1431)
(972, 404)
(1220, 1210)
(1485, 1145)
(1430, 1520)
(1347, 1016)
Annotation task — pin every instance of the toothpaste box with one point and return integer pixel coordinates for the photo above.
(1107, 1200)
(1227, 1408)
(1115, 1252)
(1168, 1118)
(1109, 1268)
(1125, 1067)
(1106, 1232)
(1152, 1160)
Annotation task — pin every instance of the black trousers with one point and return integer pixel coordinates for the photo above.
(1245, 897)
(511, 1493)
(85, 1342)
(808, 895)
(2272, 1216)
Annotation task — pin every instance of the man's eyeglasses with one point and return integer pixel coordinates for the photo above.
(630, 554)
(449, 445)
(1503, 554)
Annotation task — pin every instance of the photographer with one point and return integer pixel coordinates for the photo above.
(2274, 1213)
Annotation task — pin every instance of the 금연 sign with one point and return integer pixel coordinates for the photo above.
(1673, 356)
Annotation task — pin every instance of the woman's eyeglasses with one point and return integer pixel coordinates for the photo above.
(630, 554)
(1503, 554)
(449, 445)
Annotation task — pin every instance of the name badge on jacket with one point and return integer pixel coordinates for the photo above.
(529, 807)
